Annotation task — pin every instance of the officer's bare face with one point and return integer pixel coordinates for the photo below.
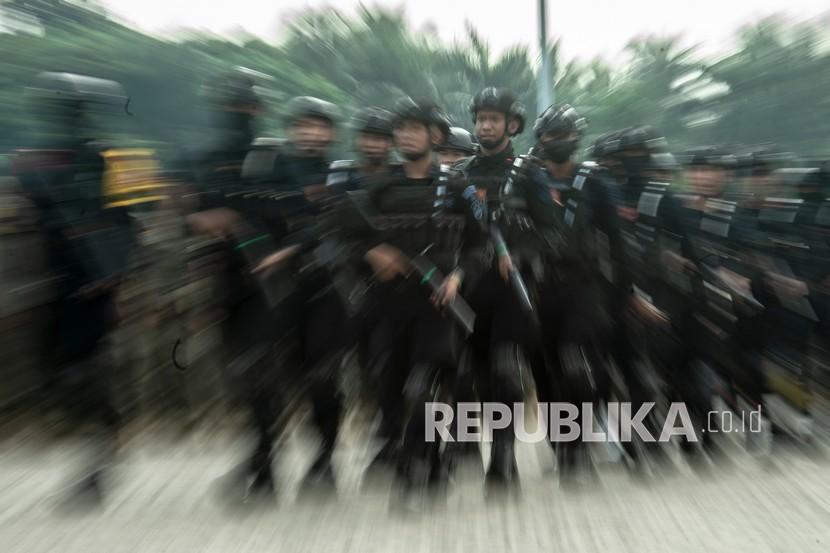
(373, 146)
(448, 157)
(412, 139)
(491, 127)
(706, 180)
(311, 136)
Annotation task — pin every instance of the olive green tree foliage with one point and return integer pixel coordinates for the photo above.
(771, 89)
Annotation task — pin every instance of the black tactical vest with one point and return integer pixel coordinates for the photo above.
(420, 216)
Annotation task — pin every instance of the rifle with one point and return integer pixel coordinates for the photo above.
(515, 279)
(253, 238)
(517, 284)
(357, 215)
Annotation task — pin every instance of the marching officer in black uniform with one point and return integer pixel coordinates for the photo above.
(248, 329)
(372, 127)
(89, 244)
(319, 317)
(458, 146)
(422, 218)
(813, 221)
(574, 242)
(726, 331)
(492, 372)
(373, 142)
(652, 309)
(275, 214)
(789, 252)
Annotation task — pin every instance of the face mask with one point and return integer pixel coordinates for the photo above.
(559, 151)
(375, 160)
(414, 156)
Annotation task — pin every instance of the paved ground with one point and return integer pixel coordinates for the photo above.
(166, 498)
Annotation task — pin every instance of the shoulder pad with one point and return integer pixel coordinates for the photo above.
(585, 171)
(445, 172)
(521, 164)
(593, 169)
(780, 210)
(339, 171)
(268, 142)
(784, 202)
(660, 187)
(259, 161)
(526, 162)
(651, 198)
(723, 206)
(462, 164)
(343, 164)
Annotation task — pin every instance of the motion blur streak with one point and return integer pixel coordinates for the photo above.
(234, 273)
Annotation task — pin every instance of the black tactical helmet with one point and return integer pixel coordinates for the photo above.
(460, 140)
(63, 100)
(69, 87)
(762, 160)
(563, 121)
(502, 100)
(642, 138)
(442, 122)
(424, 111)
(631, 152)
(664, 161)
(559, 119)
(309, 106)
(711, 156)
(235, 90)
(373, 120)
(605, 146)
(238, 90)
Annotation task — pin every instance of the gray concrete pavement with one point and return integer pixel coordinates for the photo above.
(166, 498)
